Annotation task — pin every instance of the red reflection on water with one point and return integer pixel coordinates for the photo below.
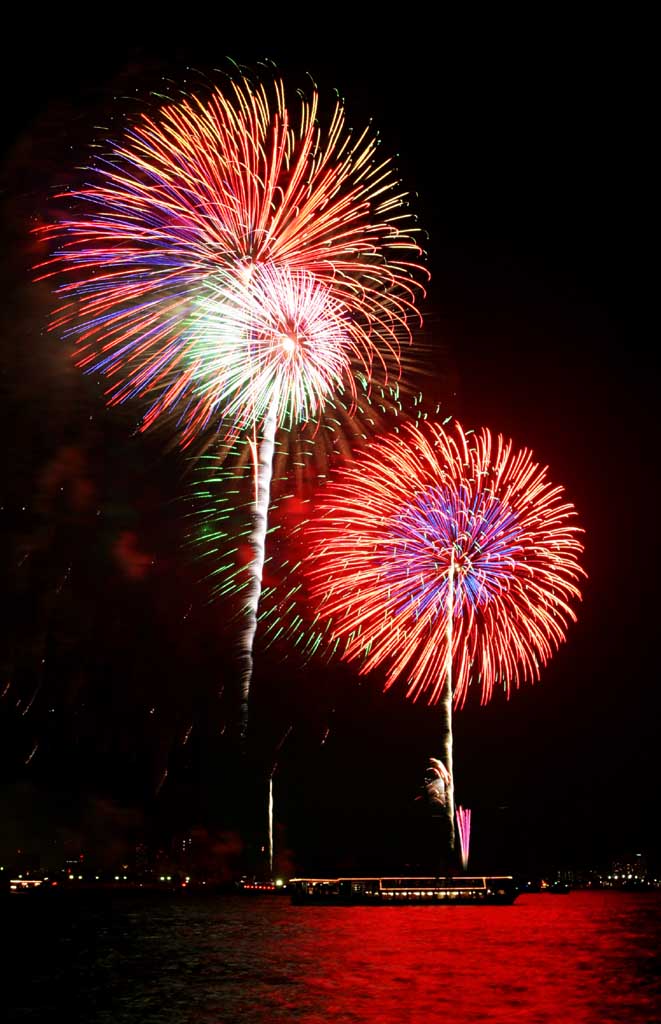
(586, 958)
(571, 959)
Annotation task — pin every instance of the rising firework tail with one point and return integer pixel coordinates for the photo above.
(220, 496)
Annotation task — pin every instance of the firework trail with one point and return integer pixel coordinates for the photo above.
(449, 558)
(219, 508)
(464, 829)
(274, 768)
(235, 268)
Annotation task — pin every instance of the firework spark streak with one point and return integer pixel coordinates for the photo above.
(464, 827)
(446, 551)
(270, 826)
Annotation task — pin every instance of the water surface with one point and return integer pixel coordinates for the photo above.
(586, 958)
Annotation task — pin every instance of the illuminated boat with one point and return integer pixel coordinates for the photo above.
(456, 891)
(26, 884)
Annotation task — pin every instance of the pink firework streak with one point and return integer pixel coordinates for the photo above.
(464, 828)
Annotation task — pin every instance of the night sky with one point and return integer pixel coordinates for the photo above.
(525, 148)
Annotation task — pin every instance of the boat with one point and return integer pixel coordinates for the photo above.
(24, 885)
(390, 891)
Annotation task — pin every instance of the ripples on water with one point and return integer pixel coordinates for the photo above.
(586, 958)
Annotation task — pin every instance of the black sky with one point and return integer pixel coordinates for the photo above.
(525, 144)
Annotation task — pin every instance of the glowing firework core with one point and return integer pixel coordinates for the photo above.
(281, 338)
(464, 534)
(289, 344)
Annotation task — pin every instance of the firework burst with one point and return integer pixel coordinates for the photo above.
(446, 557)
(443, 548)
(277, 336)
(224, 249)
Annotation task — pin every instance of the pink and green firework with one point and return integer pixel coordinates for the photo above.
(228, 255)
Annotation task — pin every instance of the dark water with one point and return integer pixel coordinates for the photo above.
(587, 957)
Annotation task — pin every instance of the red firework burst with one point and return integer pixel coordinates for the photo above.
(445, 556)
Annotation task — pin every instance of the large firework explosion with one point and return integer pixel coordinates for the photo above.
(448, 558)
(237, 269)
(224, 249)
